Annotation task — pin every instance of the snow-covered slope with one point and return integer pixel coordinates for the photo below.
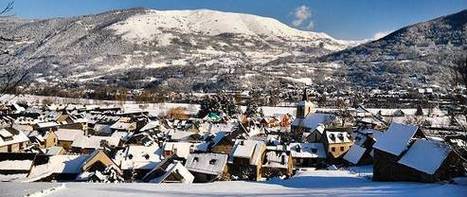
(149, 25)
(311, 183)
(138, 48)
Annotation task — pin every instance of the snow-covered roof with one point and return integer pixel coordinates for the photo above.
(179, 135)
(122, 125)
(276, 159)
(139, 157)
(150, 125)
(102, 129)
(179, 169)
(10, 136)
(244, 148)
(311, 121)
(23, 165)
(354, 154)
(94, 142)
(307, 150)
(396, 138)
(66, 164)
(68, 134)
(426, 155)
(54, 150)
(181, 149)
(46, 124)
(250, 149)
(208, 163)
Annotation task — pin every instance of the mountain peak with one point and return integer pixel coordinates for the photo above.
(147, 25)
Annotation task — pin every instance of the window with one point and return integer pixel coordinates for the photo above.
(342, 148)
(283, 159)
(146, 156)
(195, 159)
(314, 150)
(212, 161)
(333, 149)
(130, 156)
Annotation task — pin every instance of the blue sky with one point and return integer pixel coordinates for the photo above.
(342, 19)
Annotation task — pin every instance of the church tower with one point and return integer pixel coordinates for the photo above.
(304, 107)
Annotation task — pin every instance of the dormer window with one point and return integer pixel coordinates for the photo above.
(212, 162)
(195, 159)
(314, 150)
(298, 148)
(341, 136)
(146, 156)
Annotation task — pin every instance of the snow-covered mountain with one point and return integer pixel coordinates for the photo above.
(190, 49)
(150, 25)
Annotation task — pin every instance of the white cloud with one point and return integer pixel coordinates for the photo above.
(302, 14)
(379, 35)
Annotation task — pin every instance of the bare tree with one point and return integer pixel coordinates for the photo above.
(459, 70)
(11, 76)
(8, 8)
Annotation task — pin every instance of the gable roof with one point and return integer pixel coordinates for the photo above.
(354, 154)
(307, 150)
(68, 134)
(276, 159)
(426, 155)
(139, 157)
(181, 149)
(176, 169)
(396, 138)
(207, 163)
(150, 125)
(249, 149)
(94, 142)
(62, 164)
(311, 121)
(11, 136)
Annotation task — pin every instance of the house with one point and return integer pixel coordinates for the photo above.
(246, 159)
(102, 129)
(87, 144)
(207, 167)
(306, 119)
(337, 143)
(277, 161)
(313, 124)
(18, 164)
(124, 124)
(137, 160)
(430, 161)
(56, 167)
(180, 149)
(152, 126)
(99, 161)
(270, 122)
(308, 154)
(361, 152)
(55, 150)
(44, 140)
(45, 126)
(12, 140)
(169, 171)
(388, 150)
(66, 137)
(315, 135)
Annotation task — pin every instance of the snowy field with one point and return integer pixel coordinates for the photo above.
(308, 183)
